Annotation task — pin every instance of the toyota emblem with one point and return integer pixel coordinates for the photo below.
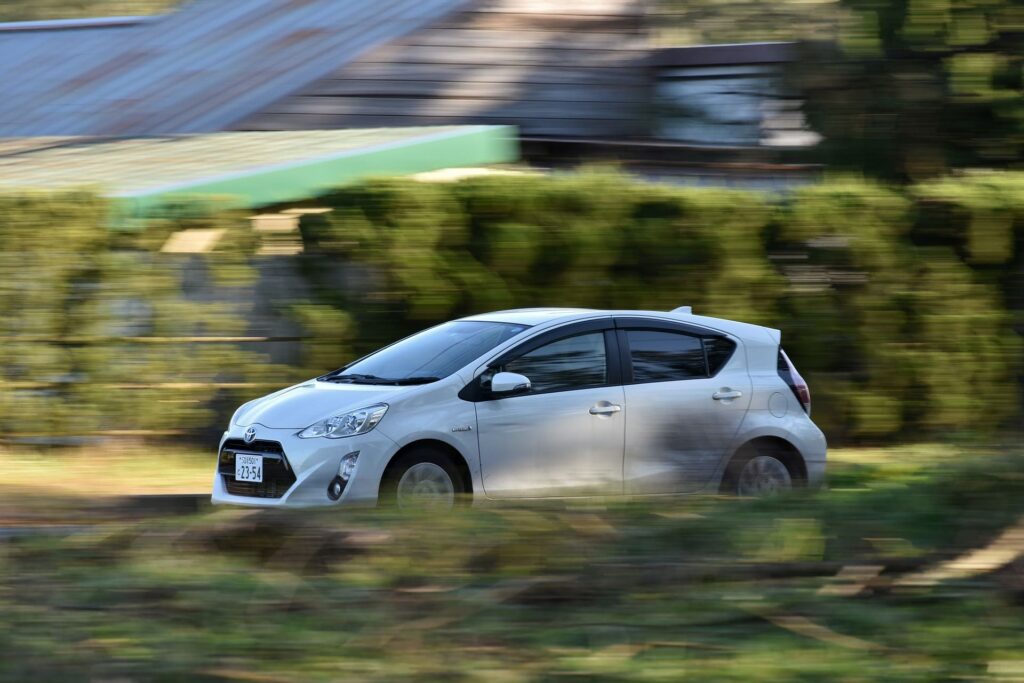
(250, 435)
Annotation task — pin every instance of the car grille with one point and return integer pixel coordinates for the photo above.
(277, 473)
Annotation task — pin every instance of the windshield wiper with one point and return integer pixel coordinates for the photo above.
(373, 379)
(415, 380)
(355, 379)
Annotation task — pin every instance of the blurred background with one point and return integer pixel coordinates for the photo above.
(202, 202)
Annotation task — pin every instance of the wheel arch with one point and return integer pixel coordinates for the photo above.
(778, 446)
(457, 459)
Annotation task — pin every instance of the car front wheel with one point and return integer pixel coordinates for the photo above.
(422, 478)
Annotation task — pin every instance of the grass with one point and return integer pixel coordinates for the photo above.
(62, 479)
(113, 469)
(121, 468)
(827, 586)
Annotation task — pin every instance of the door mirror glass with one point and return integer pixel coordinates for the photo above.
(509, 383)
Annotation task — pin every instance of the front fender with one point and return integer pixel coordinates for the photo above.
(445, 418)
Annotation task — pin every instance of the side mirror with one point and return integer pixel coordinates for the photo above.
(509, 383)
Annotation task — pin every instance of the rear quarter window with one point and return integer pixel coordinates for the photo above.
(720, 350)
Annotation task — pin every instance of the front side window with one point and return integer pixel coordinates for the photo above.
(567, 364)
(660, 356)
(428, 355)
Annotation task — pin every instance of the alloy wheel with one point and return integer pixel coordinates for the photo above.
(764, 475)
(425, 484)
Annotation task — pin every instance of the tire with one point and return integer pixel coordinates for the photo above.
(423, 477)
(756, 472)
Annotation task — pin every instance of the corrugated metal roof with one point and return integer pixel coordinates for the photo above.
(549, 67)
(200, 69)
(244, 169)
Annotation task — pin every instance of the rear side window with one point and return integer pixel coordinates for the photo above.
(719, 351)
(660, 356)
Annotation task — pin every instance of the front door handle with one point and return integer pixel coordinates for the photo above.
(726, 394)
(605, 409)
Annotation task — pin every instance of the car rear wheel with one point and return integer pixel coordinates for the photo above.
(763, 475)
(422, 478)
(757, 471)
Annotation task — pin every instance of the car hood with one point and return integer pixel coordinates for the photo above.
(299, 406)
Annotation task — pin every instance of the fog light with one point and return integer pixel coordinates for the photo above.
(335, 488)
(348, 465)
(345, 470)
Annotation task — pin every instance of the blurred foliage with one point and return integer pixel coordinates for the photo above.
(980, 218)
(36, 10)
(707, 22)
(896, 338)
(899, 333)
(902, 307)
(914, 89)
(589, 239)
(853, 584)
(95, 323)
(900, 90)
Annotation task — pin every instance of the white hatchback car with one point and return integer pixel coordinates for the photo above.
(537, 403)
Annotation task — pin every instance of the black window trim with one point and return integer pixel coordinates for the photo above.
(624, 324)
(474, 392)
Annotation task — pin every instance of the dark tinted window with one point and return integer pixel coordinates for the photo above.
(572, 363)
(719, 352)
(660, 356)
(437, 352)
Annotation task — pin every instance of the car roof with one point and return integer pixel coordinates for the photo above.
(550, 316)
(537, 316)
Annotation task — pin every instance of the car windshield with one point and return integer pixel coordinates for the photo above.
(429, 355)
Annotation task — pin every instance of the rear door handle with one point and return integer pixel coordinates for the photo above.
(726, 394)
(605, 409)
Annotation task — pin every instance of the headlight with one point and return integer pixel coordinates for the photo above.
(346, 424)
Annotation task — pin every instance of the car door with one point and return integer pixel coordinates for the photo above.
(687, 392)
(565, 436)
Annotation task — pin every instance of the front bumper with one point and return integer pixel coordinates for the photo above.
(313, 463)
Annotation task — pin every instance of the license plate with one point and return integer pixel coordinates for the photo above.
(249, 468)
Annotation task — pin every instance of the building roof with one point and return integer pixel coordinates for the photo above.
(245, 169)
(202, 68)
(548, 67)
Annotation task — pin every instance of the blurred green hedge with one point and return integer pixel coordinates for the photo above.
(896, 305)
(901, 307)
(93, 323)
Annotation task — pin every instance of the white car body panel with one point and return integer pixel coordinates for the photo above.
(303, 404)
(676, 434)
(551, 446)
